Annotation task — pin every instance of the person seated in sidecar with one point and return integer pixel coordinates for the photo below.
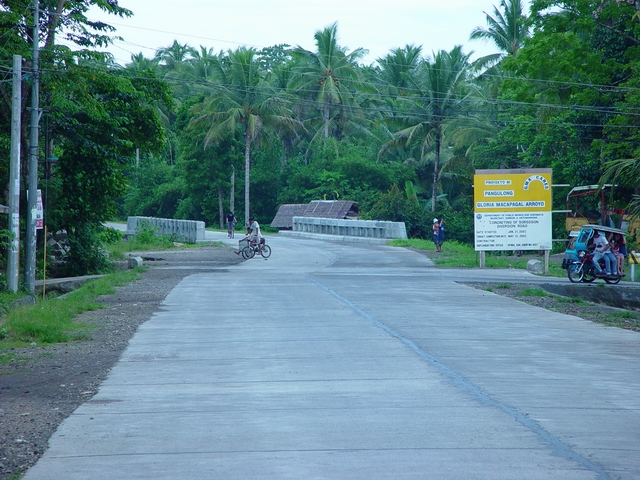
(618, 250)
(602, 251)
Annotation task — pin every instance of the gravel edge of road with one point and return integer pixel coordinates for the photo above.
(50, 382)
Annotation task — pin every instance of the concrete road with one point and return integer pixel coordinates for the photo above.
(332, 361)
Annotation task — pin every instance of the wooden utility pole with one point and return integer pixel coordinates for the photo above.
(13, 251)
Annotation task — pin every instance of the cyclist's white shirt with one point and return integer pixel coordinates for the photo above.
(255, 231)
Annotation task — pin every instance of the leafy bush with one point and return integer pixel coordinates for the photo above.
(458, 221)
(86, 253)
(394, 206)
(109, 236)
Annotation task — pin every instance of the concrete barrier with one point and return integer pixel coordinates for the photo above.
(134, 262)
(189, 231)
(535, 266)
(370, 231)
(620, 296)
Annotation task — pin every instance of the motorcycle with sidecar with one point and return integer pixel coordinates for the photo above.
(579, 255)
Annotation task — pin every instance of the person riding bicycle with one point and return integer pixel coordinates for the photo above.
(254, 237)
(231, 221)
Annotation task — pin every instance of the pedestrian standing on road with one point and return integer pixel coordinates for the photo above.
(440, 234)
(436, 232)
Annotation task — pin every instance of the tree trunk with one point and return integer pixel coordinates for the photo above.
(247, 175)
(286, 152)
(54, 21)
(232, 195)
(325, 120)
(220, 207)
(436, 168)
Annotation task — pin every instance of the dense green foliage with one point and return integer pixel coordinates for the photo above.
(248, 130)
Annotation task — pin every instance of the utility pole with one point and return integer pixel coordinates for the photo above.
(13, 253)
(32, 193)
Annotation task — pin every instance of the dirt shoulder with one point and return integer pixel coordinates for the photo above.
(533, 294)
(50, 382)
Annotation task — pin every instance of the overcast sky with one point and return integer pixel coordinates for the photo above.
(375, 26)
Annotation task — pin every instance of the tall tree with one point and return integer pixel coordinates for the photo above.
(506, 29)
(242, 99)
(398, 68)
(329, 76)
(440, 98)
(141, 64)
(172, 56)
(95, 116)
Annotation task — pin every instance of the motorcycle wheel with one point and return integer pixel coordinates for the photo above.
(575, 272)
(613, 280)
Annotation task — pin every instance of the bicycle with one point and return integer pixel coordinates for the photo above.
(231, 229)
(250, 250)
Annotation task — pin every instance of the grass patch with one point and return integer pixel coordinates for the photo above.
(455, 254)
(625, 315)
(146, 239)
(627, 320)
(574, 300)
(534, 292)
(52, 321)
(6, 299)
(503, 285)
(460, 255)
(11, 358)
(121, 250)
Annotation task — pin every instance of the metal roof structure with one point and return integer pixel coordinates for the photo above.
(339, 209)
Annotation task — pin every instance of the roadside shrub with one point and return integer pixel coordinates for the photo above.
(110, 236)
(394, 206)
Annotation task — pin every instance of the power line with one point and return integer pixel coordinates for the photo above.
(630, 111)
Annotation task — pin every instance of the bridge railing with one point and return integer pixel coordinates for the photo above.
(189, 231)
(356, 229)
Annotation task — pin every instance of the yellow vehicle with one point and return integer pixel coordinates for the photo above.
(579, 213)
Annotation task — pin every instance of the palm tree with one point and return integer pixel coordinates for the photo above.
(241, 99)
(328, 76)
(399, 66)
(279, 77)
(439, 100)
(201, 63)
(139, 63)
(171, 57)
(507, 31)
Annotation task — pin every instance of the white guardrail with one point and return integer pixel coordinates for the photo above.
(189, 231)
(373, 230)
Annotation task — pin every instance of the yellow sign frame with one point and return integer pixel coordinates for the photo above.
(512, 209)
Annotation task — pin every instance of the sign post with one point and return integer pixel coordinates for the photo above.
(512, 209)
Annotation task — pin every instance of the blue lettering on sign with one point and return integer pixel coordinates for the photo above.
(533, 178)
